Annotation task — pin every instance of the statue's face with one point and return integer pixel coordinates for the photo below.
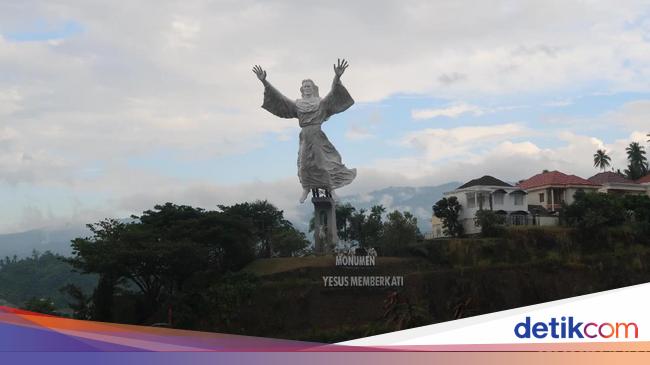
(307, 88)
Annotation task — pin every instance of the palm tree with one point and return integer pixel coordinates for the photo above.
(638, 163)
(601, 160)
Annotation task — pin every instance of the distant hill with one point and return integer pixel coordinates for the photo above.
(417, 200)
(55, 240)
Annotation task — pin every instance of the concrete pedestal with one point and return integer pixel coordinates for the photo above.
(325, 236)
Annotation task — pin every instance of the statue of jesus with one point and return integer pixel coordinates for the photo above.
(319, 163)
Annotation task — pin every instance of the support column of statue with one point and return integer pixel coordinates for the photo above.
(325, 232)
(320, 168)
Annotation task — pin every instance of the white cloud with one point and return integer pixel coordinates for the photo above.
(357, 133)
(438, 143)
(634, 114)
(451, 111)
(175, 77)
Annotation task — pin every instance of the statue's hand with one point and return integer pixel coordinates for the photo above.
(261, 74)
(340, 67)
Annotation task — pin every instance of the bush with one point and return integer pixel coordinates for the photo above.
(491, 223)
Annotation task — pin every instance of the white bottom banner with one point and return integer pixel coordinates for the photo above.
(618, 315)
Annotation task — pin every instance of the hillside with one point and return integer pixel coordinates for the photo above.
(443, 280)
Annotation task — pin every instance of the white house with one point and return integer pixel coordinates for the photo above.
(487, 193)
(535, 201)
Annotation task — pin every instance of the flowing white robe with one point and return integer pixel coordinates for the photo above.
(319, 163)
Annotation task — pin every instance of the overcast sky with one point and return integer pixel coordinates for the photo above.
(109, 107)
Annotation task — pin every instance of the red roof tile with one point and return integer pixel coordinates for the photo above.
(554, 178)
(609, 177)
(644, 180)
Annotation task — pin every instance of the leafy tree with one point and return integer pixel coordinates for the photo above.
(160, 252)
(227, 296)
(40, 276)
(81, 303)
(367, 230)
(592, 212)
(344, 214)
(637, 162)
(266, 220)
(374, 228)
(288, 241)
(399, 231)
(448, 210)
(491, 223)
(639, 206)
(602, 160)
(94, 255)
(357, 223)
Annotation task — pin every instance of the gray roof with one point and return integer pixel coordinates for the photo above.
(484, 181)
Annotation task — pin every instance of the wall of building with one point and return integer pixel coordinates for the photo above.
(508, 203)
(547, 221)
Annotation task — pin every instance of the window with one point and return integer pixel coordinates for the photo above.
(519, 199)
(498, 198)
(541, 197)
(518, 220)
(471, 200)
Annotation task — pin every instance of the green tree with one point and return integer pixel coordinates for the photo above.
(227, 296)
(40, 276)
(399, 231)
(448, 210)
(367, 230)
(160, 252)
(287, 241)
(374, 227)
(94, 255)
(357, 223)
(601, 160)
(266, 220)
(637, 162)
(491, 223)
(344, 214)
(593, 212)
(81, 304)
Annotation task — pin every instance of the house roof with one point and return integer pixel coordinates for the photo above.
(484, 181)
(609, 177)
(554, 178)
(644, 180)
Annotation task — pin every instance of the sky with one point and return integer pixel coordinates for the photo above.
(108, 108)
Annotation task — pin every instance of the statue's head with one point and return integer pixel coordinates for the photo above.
(308, 89)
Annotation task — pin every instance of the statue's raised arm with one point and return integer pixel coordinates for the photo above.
(338, 99)
(274, 101)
